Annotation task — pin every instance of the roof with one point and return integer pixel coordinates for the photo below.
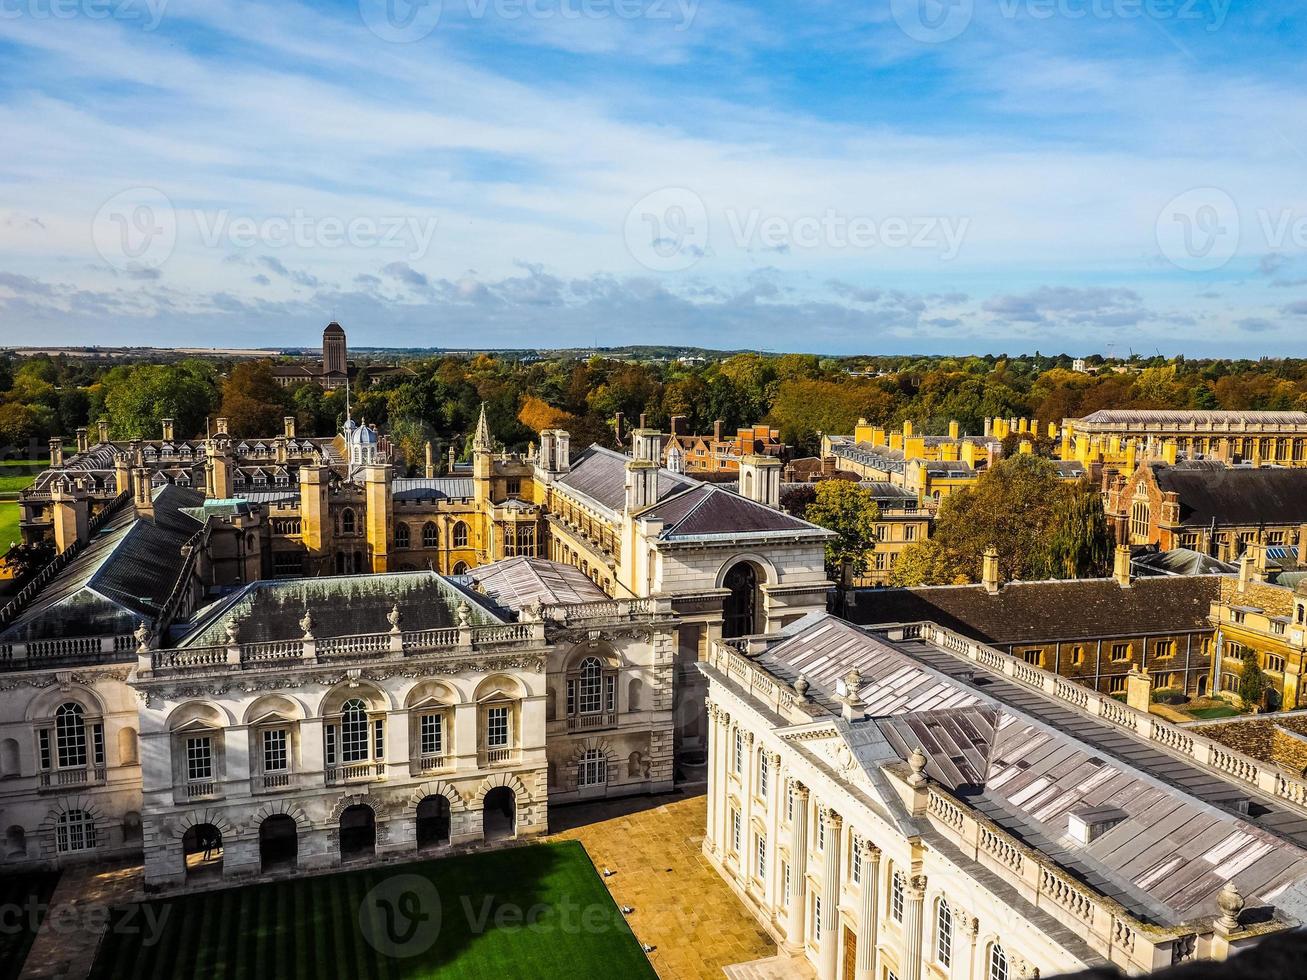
(1235, 496)
(708, 509)
(435, 488)
(1134, 416)
(516, 583)
(600, 474)
(342, 605)
(1028, 762)
(1039, 612)
(1181, 561)
(125, 574)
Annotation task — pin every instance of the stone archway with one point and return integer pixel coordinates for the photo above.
(278, 842)
(202, 850)
(434, 821)
(358, 832)
(499, 814)
(741, 609)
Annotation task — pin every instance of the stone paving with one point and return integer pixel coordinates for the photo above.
(682, 908)
(66, 944)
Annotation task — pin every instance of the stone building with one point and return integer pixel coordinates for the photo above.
(1093, 631)
(719, 452)
(906, 802)
(1259, 622)
(332, 374)
(1115, 436)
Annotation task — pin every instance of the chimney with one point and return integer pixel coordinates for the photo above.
(288, 426)
(56, 451)
(907, 429)
(677, 425)
(954, 430)
(1121, 566)
(562, 450)
(122, 473)
(83, 440)
(643, 420)
(619, 424)
(989, 574)
(1139, 688)
(104, 430)
(452, 458)
(144, 492)
(760, 479)
(222, 425)
(1260, 569)
(641, 484)
(717, 430)
(167, 430)
(71, 512)
(430, 469)
(1169, 452)
(1245, 571)
(989, 427)
(645, 444)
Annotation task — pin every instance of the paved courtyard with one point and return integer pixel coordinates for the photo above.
(682, 907)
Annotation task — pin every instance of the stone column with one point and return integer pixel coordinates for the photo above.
(746, 816)
(868, 912)
(712, 845)
(775, 810)
(798, 869)
(723, 785)
(912, 923)
(829, 935)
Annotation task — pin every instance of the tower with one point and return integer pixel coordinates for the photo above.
(315, 517)
(376, 488)
(334, 353)
(482, 459)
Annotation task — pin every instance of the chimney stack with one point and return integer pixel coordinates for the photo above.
(104, 430)
(760, 480)
(1121, 566)
(56, 451)
(430, 468)
(717, 430)
(83, 440)
(989, 574)
(641, 484)
(222, 425)
(167, 430)
(288, 426)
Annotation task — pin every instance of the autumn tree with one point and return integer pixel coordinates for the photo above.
(252, 401)
(848, 509)
(1080, 541)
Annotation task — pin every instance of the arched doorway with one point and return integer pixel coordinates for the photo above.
(1202, 686)
(279, 842)
(499, 814)
(202, 850)
(433, 821)
(358, 832)
(740, 610)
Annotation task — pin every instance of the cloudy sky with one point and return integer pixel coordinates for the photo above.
(889, 175)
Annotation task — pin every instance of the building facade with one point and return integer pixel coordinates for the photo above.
(1257, 438)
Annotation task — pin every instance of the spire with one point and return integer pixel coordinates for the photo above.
(481, 441)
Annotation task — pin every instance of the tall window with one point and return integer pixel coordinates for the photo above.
(762, 856)
(944, 935)
(75, 831)
(855, 860)
(354, 731)
(460, 535)
(762, 774)
(402, 537)
(997, 963)
(590, 685)
(738, 765)
(821, 830)
(593, 769)
(347, 521)
(430, 734)
(897, 887)
(70, 735)
(276, 758)
(430, 535)
(497, 727)
(737, 830)
(199, 758)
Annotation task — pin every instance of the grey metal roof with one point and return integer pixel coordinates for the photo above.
(1139, 416)
(1181, 561)
(516, 583)
(600, 474)
(435, 488)
(708, 509)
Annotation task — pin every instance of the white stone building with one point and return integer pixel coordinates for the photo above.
(905, 803)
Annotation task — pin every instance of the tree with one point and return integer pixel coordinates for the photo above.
(929, 563)
(252, 401)
(1080, 543)
(848, 509)
(1253, 682)
(137, 398)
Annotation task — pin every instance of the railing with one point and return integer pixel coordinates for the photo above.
(610, 609)
(433, 762)
(270, 782)
(57, 778)
(759, 683)
(1264, 776)
(201, 789)
(346, 645)
(271, 650)
(39, 653)
(357, 772)
(500, 757)
(600, 719)
(514, 633)
(428, 639)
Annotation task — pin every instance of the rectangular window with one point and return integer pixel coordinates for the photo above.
(430, 735)
(910, 532)
(737, 830)
(785, 873)
(762, 775)
(855, 862)
(789, 803)
(331, 745)
(821, 830)
(571, 697)
(199, 758)
(497, 728)
(1115, 685)
(97, 743)
(739, 752)
(1033, 657)
(1164, 649)
(1120, 651)
(1272, 662)
(43, 739)
(610, 693)
(762, 856)
(275, 756)
(379, 739)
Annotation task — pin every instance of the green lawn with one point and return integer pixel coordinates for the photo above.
(16, 474)
(537, 911)
(23, 897)
(1216, 711)
(9, 515)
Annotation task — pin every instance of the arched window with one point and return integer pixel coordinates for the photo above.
(75, 831)
(401, 536)
(944, 934)
(430, 535)
(997, 963)
(460, 568)
(347, 521)
(593, 768)
(590, 688)
(354, 731)
(70, 735)
(896, 896)
(460, 535)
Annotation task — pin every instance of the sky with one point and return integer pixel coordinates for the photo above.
(887, 176)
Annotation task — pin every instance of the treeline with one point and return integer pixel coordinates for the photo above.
(437, 399)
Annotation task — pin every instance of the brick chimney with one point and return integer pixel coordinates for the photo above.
(717, 430)
(989, 573)
(1121, 566)
(83, 440)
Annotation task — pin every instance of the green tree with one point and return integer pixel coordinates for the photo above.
(1253, 683)
(1080, 542)
(137, 398)
(252, 401)
(848, 509)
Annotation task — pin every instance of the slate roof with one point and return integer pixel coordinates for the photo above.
(1027, 761)
(600, 474)
(1236, 496)
(515, 583)
(708, 509)
(124, 575)
(342, 605)
(436, 488)
(1037, 612)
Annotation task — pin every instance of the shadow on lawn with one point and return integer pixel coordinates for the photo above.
(473, 915)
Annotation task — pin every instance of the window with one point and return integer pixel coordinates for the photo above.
(378, 739)
(736, 830)
(786, 875)
(70, 735)
(1271, 661)
(97, 743)
(944, 935)
(821, 830)
(346, 521)
(513, 486)
(897, 886)
(430, 734)
(199, 758)
(1115, 685)
(1077, 655)
(909, 532)
(761, 852)
(275, 756)
(855, 861)
(789, 802)
(593, 768)
(430, 535)
(997, 963)
(1139, 519)
(738, 765)
(75, 831)
(460, 535)
(1033, 657)
(1120, 652)
(353, 731)
(1164, 649)
(331, 745)
(497, 727)
(591, 686)
(762, 774)
(43, 744)
(402, 538)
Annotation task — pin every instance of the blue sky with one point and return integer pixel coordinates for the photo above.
(896, 175)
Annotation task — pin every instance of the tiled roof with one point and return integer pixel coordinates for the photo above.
(1236, 496)
(516, 583)
(1036, 612)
